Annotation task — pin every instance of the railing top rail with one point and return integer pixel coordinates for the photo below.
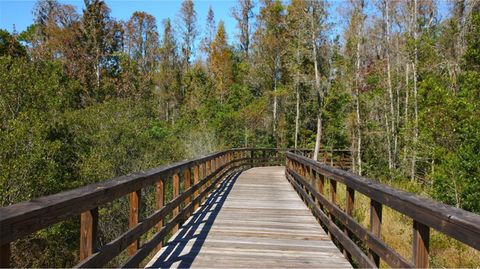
(454, 222)
(73, 202)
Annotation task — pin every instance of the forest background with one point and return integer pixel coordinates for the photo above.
(85, 97)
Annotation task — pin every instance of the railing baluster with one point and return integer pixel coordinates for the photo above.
(159, 202)
(421, 243)
(88, 232)
(196, 178)
(350, 200)
(186, 185)
(5, 253)
(333, 191)
(375, 226)
(176, 192)
(134, 218)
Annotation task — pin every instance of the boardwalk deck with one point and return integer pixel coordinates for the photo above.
(254, 219)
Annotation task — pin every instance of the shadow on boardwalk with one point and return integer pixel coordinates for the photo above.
(195, 230)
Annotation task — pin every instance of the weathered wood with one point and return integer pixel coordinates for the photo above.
(187, 182)
(336, 232)
(159, 202)
(176, 193)
(333, 191)
(5, 253)
(390, 256)
(196, 178)
(454, 222)
(88, 233)
(134, 217)
(257, 222)
(350, 199)
(421, 243)
(24, 218)
(375, 227)
(115, 247)
(146, 248)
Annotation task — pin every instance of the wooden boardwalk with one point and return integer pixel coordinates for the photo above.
(254, 219)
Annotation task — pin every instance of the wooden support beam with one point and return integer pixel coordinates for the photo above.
(88, 232)
(5, 253)
(176, 193)
(196, 179)
(187, 183)
(134, 218)
(333, 191)
(159, 202)
(421, 244)
(350, 200)
(375, 227)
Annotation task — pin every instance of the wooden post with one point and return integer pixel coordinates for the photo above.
(88, 232)
(187, 183)
(159, 202)
(375, 226)
(196, 177)
(5, 253)
(333, 191)
(321, 183)
(134, 218)
(176, 192)
(421, 243)
(204, 175)
(349, 210)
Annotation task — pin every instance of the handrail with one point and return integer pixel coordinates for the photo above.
(309, 177)
(22, 219)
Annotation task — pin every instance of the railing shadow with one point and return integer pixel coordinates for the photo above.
(196, 229)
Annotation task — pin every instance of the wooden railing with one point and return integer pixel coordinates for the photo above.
(199, 177)
(309, 179)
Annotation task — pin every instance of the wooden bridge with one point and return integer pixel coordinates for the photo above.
(244, 208)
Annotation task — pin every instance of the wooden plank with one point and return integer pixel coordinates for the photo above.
(134, 217)
(375, 227)
(5, 253)
(421, 243)
(115, 247)
(88, 232)
(143, 252)
(255, 221)
(454, 222)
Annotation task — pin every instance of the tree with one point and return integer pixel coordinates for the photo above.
(100, 38)
(189, 32)
(168, 77)
(221, 62)
(270, 49)
(243, 15)
(9, 45)
(210, 30)
(142, 40)
(317, 17)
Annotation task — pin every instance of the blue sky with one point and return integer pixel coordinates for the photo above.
(19, 12)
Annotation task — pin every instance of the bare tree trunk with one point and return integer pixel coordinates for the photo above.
(415, 103)
(317, 88)
(391, 132)
(274, 102)
(297, 116)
